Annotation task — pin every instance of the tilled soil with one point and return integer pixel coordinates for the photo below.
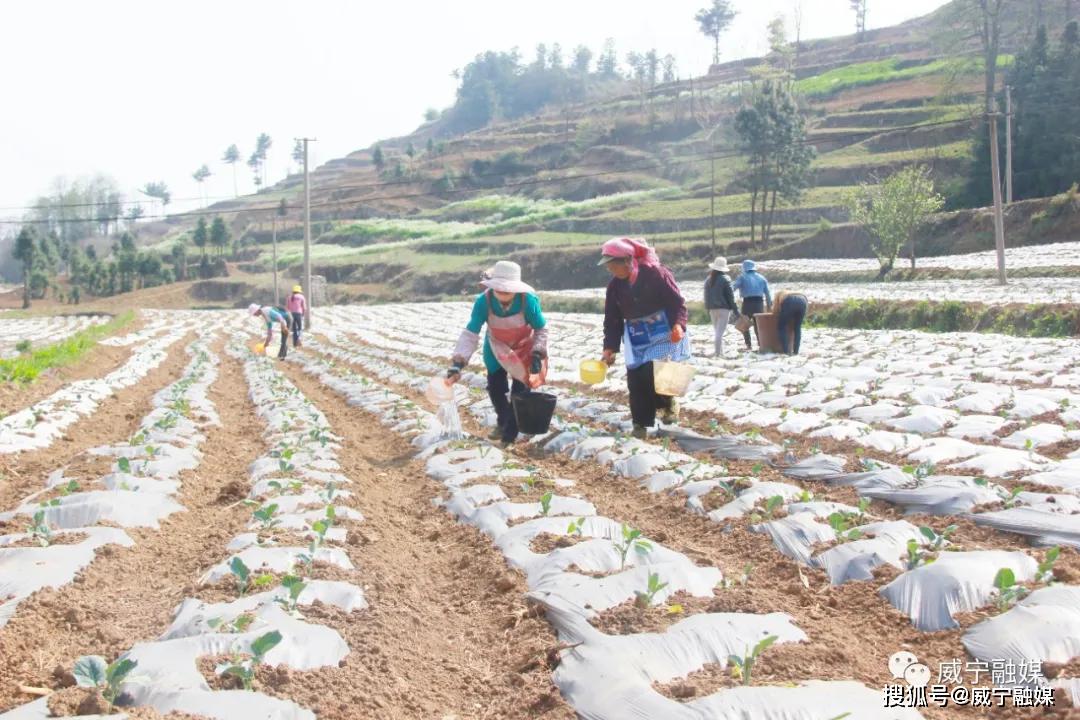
(129, 594)
(448, 632)
(852, 630)
(117, 417)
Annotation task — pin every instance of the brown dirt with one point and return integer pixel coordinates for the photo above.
(852, 629)
(129, 594)
(545, 543)
(117, 417)
(448, 631)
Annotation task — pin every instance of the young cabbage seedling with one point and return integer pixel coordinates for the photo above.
(294, 586)
(771, 506)
(91, 671)
(244, 668)
(1008, 590)
(39, 529)
(545, 503)
(631, 539)
(242, 574)
(646, 599)
(239, 624)
(124, 465)
(265, 516)
(916, 556)
(1045, 572)
(743, 667)
(575, 527)
(937, 541)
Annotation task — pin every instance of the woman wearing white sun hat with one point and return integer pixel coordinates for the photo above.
(719, 301)
(515, 344)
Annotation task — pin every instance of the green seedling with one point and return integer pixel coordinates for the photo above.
(757, 468)
(245, 667)
(295, 586)
(920, 472)
(806, 496)
(1010, 497)
(264, 580)
(575, 526)
(646, 599)
(529, 484)
(744, 579)
(294, 487)
(137, 439)
(742, 668)
(328, 493)
(937, 540)
(241, 573)
(71, 487)
(283, 461)
(631, 540)
(1009, 592)
(239, 624)
(1045, 572)
(152, 450)
(916, 556)
(265, 516)
(39, 529)
(91, 671)
(771, 506)
(545, 503)
(124, 465)
(843, 524)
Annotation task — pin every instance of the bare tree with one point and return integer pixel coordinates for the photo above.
(859, 8)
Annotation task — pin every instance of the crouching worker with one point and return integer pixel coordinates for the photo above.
(790, 313)
(645, 313)
(515, 344)
(272, 315)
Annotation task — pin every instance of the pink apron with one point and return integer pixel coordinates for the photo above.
(511, 340)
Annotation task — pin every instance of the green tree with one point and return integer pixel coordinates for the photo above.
(410, 150)
(377, 158)
(219, 234)
(298, 154)
(431, 115)
(133, 215)
(893, 212)
(772, 131)
(262, 149)
(859, 8)
(201, 235)
(430, 146)
(25, 252)
(607, 63)
(231, 157)
(256, 170)
(200, 177)
(159, 191)
(713, 21)
(582, 60)
(178, 257)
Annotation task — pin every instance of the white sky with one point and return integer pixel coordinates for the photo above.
(151, 90)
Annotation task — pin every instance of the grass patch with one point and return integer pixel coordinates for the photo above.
(699, 207)
(890, 70)
(859, 155)
(26, 368)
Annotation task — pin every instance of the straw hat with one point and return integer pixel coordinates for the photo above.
(719, 265)
(506, 277)
(297, 288)
(254, 308)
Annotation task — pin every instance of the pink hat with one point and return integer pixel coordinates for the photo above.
(506, 277)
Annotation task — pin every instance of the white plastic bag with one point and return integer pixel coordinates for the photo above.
(450, 421)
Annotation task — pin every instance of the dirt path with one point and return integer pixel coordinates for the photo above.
(448, 633)
(129, 594)
(116, 417)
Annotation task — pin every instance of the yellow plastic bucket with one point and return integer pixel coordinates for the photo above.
(592, 372)
(258, 348)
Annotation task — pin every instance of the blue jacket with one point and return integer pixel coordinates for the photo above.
(752, 283)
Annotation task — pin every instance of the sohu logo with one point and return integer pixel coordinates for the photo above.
(905, 666)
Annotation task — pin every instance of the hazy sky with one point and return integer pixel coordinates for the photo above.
(151, 90)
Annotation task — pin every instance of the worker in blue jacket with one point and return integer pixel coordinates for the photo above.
(754, 290)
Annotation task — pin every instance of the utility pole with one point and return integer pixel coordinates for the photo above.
(307, 237)
(995, 175)
(1008, 146)
(712, 200)
(273, 231)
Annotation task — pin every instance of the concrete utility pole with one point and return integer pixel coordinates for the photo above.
(307, 237)
(1008, 146)
(999, 213)
(273, 235)
(712, 201)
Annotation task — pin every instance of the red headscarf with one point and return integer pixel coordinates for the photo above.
(636, 249)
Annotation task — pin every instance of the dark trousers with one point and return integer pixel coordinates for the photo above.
(498, 387)
(791, 315)
(644, 402)
(297, 326)
(284, 348)
(750, 306)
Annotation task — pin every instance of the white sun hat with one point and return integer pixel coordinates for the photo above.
(506, 277)
(719, 265)
(254, 309)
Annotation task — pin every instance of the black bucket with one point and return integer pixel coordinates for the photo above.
(533, 412)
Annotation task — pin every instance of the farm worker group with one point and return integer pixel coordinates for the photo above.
(645, 319)
(288, 319)
(515, 344)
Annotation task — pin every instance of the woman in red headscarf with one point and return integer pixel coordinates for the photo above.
(645, 314)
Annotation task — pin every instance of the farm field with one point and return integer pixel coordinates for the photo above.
(312, 538)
